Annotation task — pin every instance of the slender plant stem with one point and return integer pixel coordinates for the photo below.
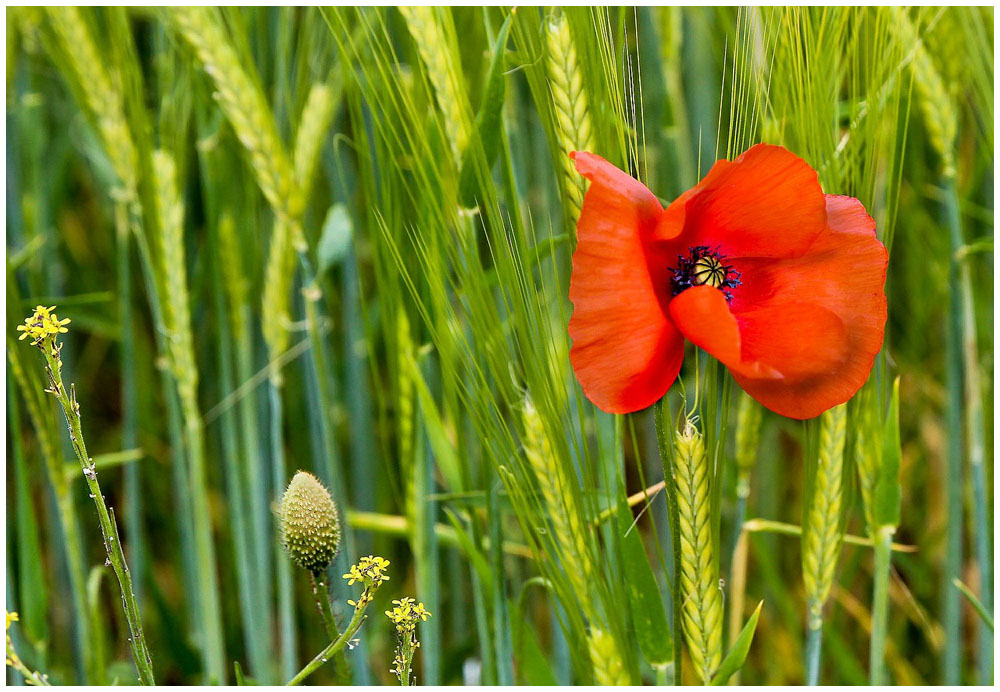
(208, 583)
(822, 532)
(322, 600)
(973, 411)
(133, 495)
(255, 619)
(738, 589)
(951, 661)
(283, 569)
(974, 602)
(814, 649)
(31, 677)
(880, 606)
(779, 527)
(112, 543)
(334, 647)
(666, 459)
(321, 595)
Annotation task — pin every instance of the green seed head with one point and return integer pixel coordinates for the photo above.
(310, 529)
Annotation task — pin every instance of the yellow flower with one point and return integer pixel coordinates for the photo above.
(370, 571)
(406, 614)
(42, 325)
(11, 617)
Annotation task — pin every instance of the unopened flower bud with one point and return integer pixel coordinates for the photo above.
(310, 528)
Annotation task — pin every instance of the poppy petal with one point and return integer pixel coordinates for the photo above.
(778, 343)
(844, 272)
(766, 203)
(626, 353)
(796, 315)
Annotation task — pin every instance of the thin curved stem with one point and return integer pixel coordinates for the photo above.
(334, 646)
(109, 530)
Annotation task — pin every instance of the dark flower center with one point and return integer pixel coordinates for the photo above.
(704, 267)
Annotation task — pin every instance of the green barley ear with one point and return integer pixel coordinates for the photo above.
(821, 535)
(605, 660)
(433, 36)
(568, 527)
(239, 95)
(310, 527)
(569, 536)
(701, 597)
(316, 118)
(279, 276)
(88, 71)
(572, 117)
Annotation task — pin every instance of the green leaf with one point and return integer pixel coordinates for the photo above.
(242, 679)
(737, 655)
(335, 238)
(645, 603)
(488, 119)
(887, 494)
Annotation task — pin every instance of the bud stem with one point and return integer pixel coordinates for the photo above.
(321, 594)
(335, 646)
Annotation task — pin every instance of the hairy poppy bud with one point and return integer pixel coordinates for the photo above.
(310, 528)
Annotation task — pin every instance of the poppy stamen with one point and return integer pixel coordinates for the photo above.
(704, 267)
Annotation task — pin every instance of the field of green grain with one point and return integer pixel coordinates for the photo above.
(340, 241)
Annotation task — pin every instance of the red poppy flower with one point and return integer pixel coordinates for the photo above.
(781, 283)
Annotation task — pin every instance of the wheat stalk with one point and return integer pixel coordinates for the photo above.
(286, 237)
(572, 117)
(98, 90)
(176, 311)
(180, 346)
(821, 535)
(243, 102)
(557, 498)
(701, 597)
(569, 531)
